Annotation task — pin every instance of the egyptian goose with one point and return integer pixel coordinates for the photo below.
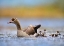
(55, 35)
(43, 34)
(29, 31)
(39, 34)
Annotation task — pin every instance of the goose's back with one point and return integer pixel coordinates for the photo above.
(29, 30)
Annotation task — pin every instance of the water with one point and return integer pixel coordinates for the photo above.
(15, 41)
(26, 22)
(8, 36)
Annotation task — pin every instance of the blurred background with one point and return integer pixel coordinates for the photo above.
(32, 8)
(48, 13)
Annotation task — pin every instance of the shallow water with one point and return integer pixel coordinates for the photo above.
(8, 36)
(15, 41)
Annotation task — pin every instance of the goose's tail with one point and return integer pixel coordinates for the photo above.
(36, 27)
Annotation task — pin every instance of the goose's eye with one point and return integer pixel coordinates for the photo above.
(13, 19)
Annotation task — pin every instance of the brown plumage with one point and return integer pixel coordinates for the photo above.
(30, 30)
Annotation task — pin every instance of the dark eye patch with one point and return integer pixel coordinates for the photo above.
(13, 19)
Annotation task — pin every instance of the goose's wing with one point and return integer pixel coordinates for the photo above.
(25, 29)
(29, 30)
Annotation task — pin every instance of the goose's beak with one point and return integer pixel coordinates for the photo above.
(9, 22)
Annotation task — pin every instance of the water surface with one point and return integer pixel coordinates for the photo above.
(8, 36)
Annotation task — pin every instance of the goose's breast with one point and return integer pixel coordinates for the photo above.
(22, 34)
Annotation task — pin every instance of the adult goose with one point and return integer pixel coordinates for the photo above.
(24, 33)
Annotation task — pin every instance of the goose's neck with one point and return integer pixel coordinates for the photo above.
(18, 26)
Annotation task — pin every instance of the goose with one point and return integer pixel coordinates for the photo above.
(55, 35)
(43, 34)
(40, 34)
(24, 33)
(58, 32)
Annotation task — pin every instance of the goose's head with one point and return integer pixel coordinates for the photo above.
(44, 29)
(13, 20)
(58, 32)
